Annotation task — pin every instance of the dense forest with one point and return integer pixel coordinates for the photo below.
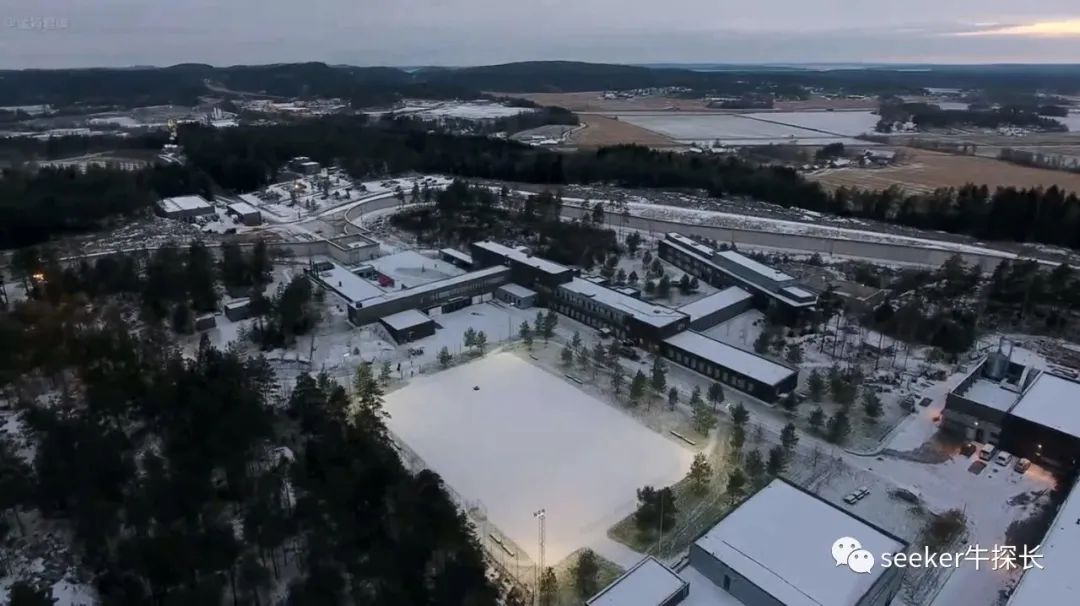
(927, 116)
(369, 86)
(200, 479)
(34, 207)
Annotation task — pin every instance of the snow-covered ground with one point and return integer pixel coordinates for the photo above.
(341, 193)
(517, 438)
(793, 128)
(467, 110)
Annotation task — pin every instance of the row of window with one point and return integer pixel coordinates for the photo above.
(711, 370)
(591, 306)
(588, 320)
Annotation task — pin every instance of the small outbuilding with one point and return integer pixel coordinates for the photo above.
(516, 295)
(205, 322)
(408, 325)
(237, 310)
(245, 213)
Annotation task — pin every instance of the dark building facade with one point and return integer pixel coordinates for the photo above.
(745, 371)
(627, 317)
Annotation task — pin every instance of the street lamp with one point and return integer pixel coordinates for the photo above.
(540, 516)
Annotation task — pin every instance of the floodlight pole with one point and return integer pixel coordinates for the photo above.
(540, 516)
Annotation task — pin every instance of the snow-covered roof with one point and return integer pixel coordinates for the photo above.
(716, 302)
(349, 285)
(758, 268)
(386, 297)
(525, 258)
(411, 268)
(798, 293)
(404, 320)
(457, 254)
(1053, 402)
(744, 362)
(780, 540)
(992, 394)
(182, 203)
(701, 249)
(242, 208)
(1057, 581)
(238, 303)
(647, 583)
(655, 315)
(517, 290)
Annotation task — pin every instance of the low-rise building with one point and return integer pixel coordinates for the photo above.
(626, 317)
(237, 310)
(446, 295)
(408, 325)
(743, 370)
(516, 295)
(184, 208)
(245, 213)
(647, 583)
(720, 307)
(451, 255)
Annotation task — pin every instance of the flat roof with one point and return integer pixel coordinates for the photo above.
(703, 592)
(758, 268)
(647, 583)
(741, 361)
(702, 249)
(349, 285)
(763, 288)
(991, 394)
(181, 203)
(411, 268)
(655, 315)
(713, 303)
(518, 290)
(457, 254)
(542, 264)
(780, 540)
(1057, 582)
(242, 208)
(386, 297)
(1053, 402)
(404, 320)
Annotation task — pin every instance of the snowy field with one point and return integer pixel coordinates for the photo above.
(1072, 121)
(465, 110)
(807, 128)
(528, 440)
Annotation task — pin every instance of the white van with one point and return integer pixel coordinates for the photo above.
(986, 452)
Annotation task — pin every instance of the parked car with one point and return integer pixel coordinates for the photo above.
(925, 402)
(1003, 458)
(862, 492)
(1022, 465)
(851, 499)
(986, 452)
(967, 449)
(629, 352)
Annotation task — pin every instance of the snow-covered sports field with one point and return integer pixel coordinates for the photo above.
(528, 440)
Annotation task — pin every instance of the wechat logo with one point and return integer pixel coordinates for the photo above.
(847, 551)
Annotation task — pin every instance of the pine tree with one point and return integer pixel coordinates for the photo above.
(567, 356)
(700, 470)
(583, 358)
(739, 415)
(777, 462)
(695, 397)
(789, 437)
(790, 402)
(738, 438)
(539, 323)
(754, 464)
(384, 373)
(549, 587)
(816, 385)
(470, 338)
(585, 574)
(637, 387)
(551, 320)
(817, 418)
(658, 379)
(663, 287)
(871, 405)
(618, 378)
(525, 334)
(481, 342)
(703, 420)
(673, 397)
(599, 355)
(715, 394)
(445, 357)
(735, 484)
(794, 354)
(838, 427)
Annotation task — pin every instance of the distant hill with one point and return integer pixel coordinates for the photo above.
(182, 84)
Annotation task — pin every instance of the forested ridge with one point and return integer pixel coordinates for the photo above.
(201, 479)
(34, 207)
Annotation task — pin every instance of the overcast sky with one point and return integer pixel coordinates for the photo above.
(84, 33)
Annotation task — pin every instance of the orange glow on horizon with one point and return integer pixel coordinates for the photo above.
(1062, 28)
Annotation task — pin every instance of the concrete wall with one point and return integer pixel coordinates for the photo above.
(715, 570)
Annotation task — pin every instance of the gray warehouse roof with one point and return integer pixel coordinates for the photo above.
(647, 583)
(780, 540)
(184, 203)
(518, 290)
(741, 361)
(656, 315)
(544, 265)
(716, 302)
(404, 320)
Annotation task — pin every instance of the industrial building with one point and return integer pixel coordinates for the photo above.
(626, 317)
(352, 249)
(532, 272)
(774, 549)
(343, 282)
(720, 307)
(647, 583)
(743, 370)
(446, 295)
(245, 213)
(1054, 580)
(1009, 401)
(462, 260)
(184, 208)
(771, 288)
(408, 325)
(518, 296)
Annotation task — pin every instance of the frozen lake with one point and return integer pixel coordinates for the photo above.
(528, 440)
(804, 128)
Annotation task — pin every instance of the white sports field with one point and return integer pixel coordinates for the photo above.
(527, 440)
